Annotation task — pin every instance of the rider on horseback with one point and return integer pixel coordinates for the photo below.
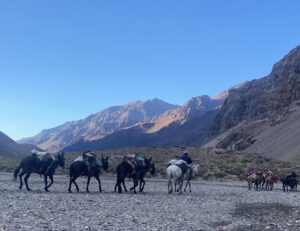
(186, 157)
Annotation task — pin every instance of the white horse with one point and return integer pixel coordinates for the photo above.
(174, 172)
(190, 174)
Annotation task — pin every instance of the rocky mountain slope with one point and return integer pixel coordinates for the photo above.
(9, 148)
(186, 125)
(262, 114)
(99, 125)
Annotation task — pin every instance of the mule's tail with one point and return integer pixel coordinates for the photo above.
(16, 172)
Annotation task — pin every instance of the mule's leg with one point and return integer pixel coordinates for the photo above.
(21, 181)
(88, 183)
(144, 182)
(119, 187)
(271, 186)
(46, 183)
(70, 185)
(135, 183)
(118, 183)
(99, 182)
(26, 180)
(256, 186)
(74, 182)
(142, 185)
(51, 179)
(123, 182)
(115, 188)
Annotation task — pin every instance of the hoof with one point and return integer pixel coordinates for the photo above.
(46, 189)
(69, 191)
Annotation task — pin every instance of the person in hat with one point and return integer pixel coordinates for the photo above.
(186, 157)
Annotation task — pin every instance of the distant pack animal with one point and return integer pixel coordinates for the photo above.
(136, 169)
(271, 179)
(90, 168)
(289, 181)
(44, 164)
(256, 178)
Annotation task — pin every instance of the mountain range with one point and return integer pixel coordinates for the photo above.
(258, 116)
(148, 123)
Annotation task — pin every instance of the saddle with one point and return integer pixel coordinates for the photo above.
(180, 163)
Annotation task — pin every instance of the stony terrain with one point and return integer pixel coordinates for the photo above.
(211, 206)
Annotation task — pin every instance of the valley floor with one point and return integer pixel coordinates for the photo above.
(211, 206)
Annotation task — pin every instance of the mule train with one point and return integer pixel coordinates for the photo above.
(43, 163)
(265, 180)
(134, 167)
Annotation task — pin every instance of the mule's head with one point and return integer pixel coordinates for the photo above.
(195, 169)
(61, 159)
(105, 163)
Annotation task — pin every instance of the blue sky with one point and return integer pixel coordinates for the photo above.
(63, 60)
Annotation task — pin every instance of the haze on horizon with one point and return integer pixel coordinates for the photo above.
(64, 60)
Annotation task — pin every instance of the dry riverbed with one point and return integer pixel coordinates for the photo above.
(211, 206)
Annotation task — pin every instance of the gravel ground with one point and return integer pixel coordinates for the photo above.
(211, 206)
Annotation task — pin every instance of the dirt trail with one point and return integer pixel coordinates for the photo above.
(211, 206)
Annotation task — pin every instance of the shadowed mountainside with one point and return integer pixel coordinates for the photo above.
(187, 125)
(11, 149)
(262, 115)
(99, 125)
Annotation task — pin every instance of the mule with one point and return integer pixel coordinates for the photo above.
(137, 172)
(289, 181)
(140, 172)
(271, 179)
(256, 178)
(90, 169)
(124, 169)
(190, 174)
(32, 164)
